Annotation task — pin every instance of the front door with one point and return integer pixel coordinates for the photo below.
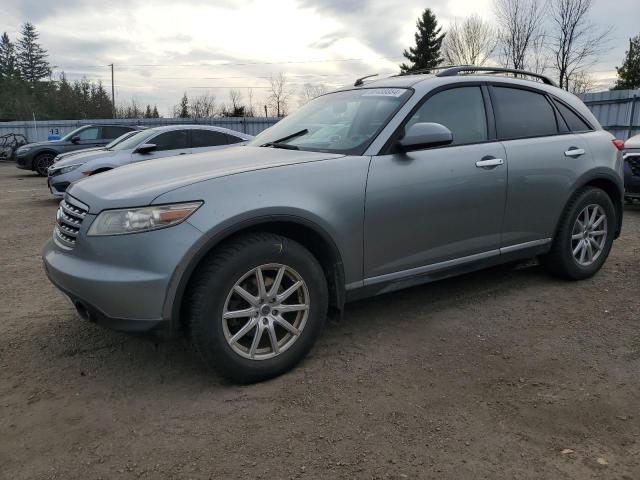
(168, 144)
(440, 204)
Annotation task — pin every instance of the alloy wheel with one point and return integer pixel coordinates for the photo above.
(589, 235)
(265, 311)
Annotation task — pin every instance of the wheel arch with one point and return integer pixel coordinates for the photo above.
(307, 233)
(612, 185)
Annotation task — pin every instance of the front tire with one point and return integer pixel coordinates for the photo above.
(584, 236)
(256, 307)
(42, 163)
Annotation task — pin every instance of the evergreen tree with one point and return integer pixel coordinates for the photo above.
(155, 113)
(183, 107)
(426, 53)
(147, 112)
(8, 68)
(629, 72)
(31, 57)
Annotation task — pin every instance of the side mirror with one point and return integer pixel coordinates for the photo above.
(146, 148)
(75, 139)
(425, 135)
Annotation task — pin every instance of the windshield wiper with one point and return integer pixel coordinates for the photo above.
(278, 143)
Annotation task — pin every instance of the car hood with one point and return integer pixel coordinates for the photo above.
(50, 143)
(84, 157)
(633, 142)
(84, 151)
(140, 183)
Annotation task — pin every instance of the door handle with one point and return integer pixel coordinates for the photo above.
(574, 152)
(489, 162)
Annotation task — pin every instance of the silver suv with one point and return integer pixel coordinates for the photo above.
(363, 191)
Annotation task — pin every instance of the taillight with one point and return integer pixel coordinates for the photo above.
(619, 144)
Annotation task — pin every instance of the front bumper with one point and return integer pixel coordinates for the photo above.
(59, 183)
(25, 161)
(631, 181)
(120, 282)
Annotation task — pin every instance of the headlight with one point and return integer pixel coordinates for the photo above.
(23, 149)
(134, 220)
(63, 170)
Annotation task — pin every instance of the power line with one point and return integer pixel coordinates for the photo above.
(227, 64)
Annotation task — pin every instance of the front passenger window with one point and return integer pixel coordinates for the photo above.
(461, 110)
(174, 140)
(89, 134)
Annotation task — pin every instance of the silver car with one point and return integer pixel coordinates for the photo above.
(362, 191)
(144, 145)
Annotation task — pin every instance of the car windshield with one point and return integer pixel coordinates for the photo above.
(341, 122)
(132, 141)
(121, 138)
(72, 133)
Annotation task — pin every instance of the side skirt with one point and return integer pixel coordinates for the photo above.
(450, 268)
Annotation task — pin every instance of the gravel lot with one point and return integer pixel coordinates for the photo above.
(505, 373)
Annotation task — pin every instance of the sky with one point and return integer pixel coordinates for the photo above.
(163, 48)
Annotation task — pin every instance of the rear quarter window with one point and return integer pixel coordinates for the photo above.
(573, 120)
(522, 113)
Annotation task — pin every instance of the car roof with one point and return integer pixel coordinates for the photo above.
(423, 83)
(168, 128)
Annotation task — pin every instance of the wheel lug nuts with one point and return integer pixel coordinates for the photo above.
(265, 320)
(275, 312)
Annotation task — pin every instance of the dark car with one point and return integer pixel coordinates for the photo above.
(632, 168)
(39, 156)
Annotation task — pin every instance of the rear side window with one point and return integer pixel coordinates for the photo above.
(460, 109)
(174, 140)
(234, 139)
(207, 138)
(522, 113)
(111, 132)
(574, 122)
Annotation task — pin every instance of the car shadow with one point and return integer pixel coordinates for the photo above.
(100, 355)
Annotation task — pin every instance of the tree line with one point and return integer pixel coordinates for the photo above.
(552, 37)
(27, 89)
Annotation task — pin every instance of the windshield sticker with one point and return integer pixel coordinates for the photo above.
(384, 92)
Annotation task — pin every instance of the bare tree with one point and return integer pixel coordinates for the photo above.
(574, 41)
(471, 42)
(280, 94)
(250, 110)
(203, 106)
(235, 107)
(582, 82)
(310, 91)
(130, 110)
(520, 30)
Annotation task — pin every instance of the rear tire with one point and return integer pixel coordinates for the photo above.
(584, 236)
(213, 303)
(42, 163)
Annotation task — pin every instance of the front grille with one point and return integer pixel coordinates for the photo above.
(68, 221)
(634, 164)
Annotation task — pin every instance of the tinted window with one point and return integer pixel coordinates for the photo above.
(88, 133)
(234, 139)
(461, 110)
(171, 140)
(207, 138)
(522, 113)
(575, 123)
(109, 132)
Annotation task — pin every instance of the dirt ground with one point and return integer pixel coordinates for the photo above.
(505, 373)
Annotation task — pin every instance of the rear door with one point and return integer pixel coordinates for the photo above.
(203, 140)
(434, 205)
(545, 158)
(168, 144)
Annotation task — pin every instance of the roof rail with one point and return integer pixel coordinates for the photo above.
(453, 71)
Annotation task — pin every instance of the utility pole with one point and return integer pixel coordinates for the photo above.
(265, 111)
(113, 92)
